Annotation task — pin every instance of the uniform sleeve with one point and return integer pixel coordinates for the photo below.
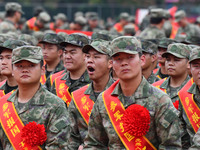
(196, 141)
(58, 128)
(168, 126)
(96, 137)
(74, 140)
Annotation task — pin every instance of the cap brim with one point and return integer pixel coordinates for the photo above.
(171, 53)
(67, 43)
(124, 51)
(48, 42)
(177, 20)
(27, 59)
(86, 48)
(4, 48)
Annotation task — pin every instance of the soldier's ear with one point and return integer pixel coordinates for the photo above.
(42, 70)
(143, 60)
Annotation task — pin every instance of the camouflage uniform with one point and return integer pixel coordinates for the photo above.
(181, 51)
(189, 137)
(8, 25)
(83, 80)
(188, 30)
(150, 48)
(80, 40)
(164, 132)
(152, 78)
(43, 108)
(52, 38)
(78, 125)
(152, 32)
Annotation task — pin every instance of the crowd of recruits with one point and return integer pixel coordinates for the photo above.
(78, 69)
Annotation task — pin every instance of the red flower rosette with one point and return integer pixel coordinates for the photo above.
(136, 120)
(176, 104)
(34, 134)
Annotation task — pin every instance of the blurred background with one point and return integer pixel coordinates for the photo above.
(104, 8)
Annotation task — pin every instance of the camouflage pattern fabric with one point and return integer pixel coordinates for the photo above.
(78, 125)
(152, 32)
(83, 80)
(152, 78)
(187, 139)
(173, 92)
(7, 26)
(43, 108)
(164, 132)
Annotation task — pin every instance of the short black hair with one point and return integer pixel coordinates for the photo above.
(156, 20)
(10, 13)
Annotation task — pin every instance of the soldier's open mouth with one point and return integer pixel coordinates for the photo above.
(91, 69)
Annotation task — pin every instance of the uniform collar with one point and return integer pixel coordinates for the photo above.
(142, 91)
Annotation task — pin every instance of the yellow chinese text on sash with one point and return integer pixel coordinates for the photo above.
(190, 107)
(159, 83)
(115, 110)
(83, 103)
(62, 90)
(12, 124)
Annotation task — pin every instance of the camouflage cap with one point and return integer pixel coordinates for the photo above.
(51, 38)
(63, 35)
(12, 6)
(163, 43)
(179, 15)
(80, 20)
(102, 34)
(93, 16)
(12, 44)
(60, 16)
(195, 54)
(193, 40)
(44, 17)
(29, 39)
(126, 44)
(124, 15)
(157, 13)
(129, 29)
(179, 50)
(38, 35)
(78, 13)
(99, 45)
(77, 39)
(29, 53)
(149, 47)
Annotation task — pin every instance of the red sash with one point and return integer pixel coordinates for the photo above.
(2, 93)
(83, 103)
(54, 76)
(31, 24)
(118, 27)
(159, 83)
(115, 110)
(190, 107)
(12, 124)
(155, 70)
(62, 90)
(43, 79)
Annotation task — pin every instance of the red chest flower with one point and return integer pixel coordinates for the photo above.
(34, 134)
(176, 104)
(136, 120)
